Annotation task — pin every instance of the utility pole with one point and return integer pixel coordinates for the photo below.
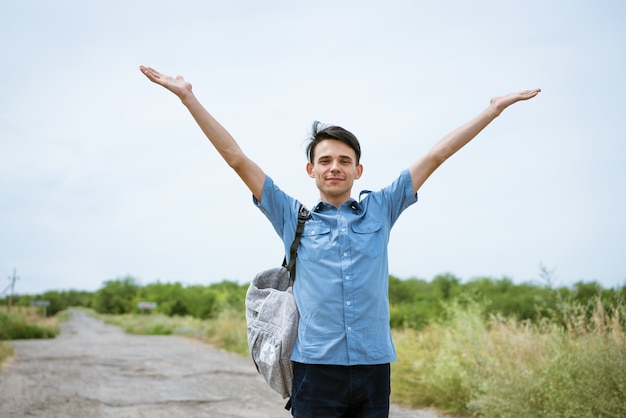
(12, 279)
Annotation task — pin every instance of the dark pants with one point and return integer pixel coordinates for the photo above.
(323, 391)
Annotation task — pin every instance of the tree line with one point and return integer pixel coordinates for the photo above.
(414, 303)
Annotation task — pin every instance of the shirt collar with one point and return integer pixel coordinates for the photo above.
(351, 203)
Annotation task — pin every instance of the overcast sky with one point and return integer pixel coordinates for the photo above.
(104, 174)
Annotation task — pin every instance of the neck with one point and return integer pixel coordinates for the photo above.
(336, 201)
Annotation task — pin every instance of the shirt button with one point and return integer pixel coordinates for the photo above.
(347, 277)
(349, 328)
(345, 254)
(348, 303)
(343, 229)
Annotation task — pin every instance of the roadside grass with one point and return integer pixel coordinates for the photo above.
(22, 323)
(467, 365)
(26, 322)
(228, 331)
(6, 351)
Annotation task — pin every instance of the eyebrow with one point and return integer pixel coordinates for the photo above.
(341, 157)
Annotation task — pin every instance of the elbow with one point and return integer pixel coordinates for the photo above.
(234, 157)
(243, 166)
(236, 162)
(435, 158)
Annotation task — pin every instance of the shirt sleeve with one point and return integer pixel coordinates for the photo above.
(279, 208)
(396, 197)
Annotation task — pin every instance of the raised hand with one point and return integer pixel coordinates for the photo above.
(502, 102)
(176, 85)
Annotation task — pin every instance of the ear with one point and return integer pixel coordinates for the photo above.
(359, 171)
(309, 169)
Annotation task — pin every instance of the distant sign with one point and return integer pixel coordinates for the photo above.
(43, 303)
(147, 305)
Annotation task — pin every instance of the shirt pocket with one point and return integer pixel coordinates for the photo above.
(369, 239)
(316, 241)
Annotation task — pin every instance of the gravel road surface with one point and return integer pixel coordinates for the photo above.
(96, 370)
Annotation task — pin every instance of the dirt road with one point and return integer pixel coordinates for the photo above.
(96, 370)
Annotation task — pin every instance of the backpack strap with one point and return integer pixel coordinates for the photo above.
(303, 216)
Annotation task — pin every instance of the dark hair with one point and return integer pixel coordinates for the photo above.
(321, 132)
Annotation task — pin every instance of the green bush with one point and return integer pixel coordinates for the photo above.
(117, 296)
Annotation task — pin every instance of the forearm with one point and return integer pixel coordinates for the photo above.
(458, 138)
(225, 144)
(461, 136)
(221, 139)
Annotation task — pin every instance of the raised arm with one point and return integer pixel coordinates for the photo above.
(423, 167)
(224, 143)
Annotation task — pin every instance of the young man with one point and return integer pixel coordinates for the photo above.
(344, 347)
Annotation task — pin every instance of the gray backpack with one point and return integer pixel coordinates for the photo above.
(272, 318)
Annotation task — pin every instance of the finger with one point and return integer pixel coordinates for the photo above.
(150, 72)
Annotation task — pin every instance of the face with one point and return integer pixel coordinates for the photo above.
(334, 169)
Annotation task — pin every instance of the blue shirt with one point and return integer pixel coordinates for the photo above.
(342, 273)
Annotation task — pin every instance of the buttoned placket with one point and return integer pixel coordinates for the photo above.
(346, 273)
